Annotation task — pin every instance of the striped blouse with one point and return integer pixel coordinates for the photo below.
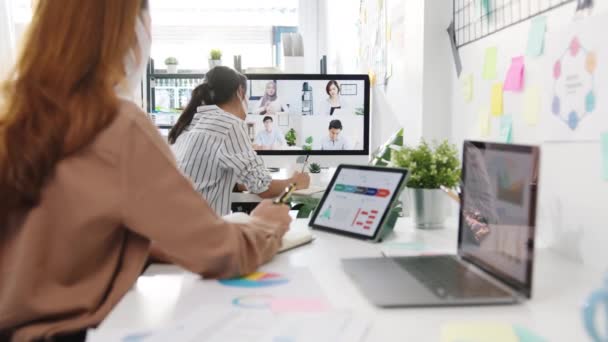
(215, 152)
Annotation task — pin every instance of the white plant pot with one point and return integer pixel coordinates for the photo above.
(428, 208)
(214, 62)
(172, 68)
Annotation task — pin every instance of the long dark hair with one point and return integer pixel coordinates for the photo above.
(219, 87)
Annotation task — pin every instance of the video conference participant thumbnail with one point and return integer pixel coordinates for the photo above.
(269, 103)
(335, 140)
(270, 138)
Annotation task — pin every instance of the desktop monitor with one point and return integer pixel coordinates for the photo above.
(292, 114)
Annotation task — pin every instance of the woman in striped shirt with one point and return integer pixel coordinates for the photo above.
(212, 147)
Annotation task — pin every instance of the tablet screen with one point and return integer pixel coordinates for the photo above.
(357, 199)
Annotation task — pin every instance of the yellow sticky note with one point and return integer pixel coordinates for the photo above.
(496, 107)
(467, 87)
(478, 332)
(531, 105)
(484, 122)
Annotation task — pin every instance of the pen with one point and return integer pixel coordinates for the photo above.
(285, 196)
(450, 193)
(305, 163)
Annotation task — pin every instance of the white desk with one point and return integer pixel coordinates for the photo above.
(560, 286)
(320, 179)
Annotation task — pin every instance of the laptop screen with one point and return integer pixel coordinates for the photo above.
(357, 200)
(498, 211)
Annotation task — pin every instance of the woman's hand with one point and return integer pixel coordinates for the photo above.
(277, 214)
(302, 180)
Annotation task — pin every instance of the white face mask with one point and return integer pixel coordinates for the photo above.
(135, 68)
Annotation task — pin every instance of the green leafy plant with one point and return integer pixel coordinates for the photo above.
(215, 54)
(171, 61)
(290, 137)
(359, 111)
(314, 168)
(430, 166)
(308, 145)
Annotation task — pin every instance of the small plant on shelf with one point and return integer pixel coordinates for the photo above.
(215, 58)
(215, 54)
(314, 168)
(171, 63)
(290, 137)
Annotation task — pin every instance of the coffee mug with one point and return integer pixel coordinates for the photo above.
(596, 300)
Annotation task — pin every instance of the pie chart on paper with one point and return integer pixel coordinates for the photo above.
(256, 280)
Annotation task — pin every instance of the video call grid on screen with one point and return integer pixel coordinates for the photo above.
(320, 124)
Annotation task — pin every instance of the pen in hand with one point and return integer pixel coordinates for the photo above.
(285, 196)
(305, 163)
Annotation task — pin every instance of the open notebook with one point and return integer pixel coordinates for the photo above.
(299, 233)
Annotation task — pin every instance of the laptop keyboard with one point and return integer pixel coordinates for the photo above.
(448, 278)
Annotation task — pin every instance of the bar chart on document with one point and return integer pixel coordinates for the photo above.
(357, 200)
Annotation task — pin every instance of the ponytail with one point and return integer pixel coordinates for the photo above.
(219, 87)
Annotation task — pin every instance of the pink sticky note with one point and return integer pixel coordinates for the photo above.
(282, 305)
(515, 76)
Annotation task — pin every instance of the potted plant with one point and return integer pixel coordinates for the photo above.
(308, 145)
(314, 168)
(430, 167)
(171, 63)
(290, 137)
(215, 58)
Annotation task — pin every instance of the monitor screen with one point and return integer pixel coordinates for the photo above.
(498, 209)
(358, 199)
(308, 114)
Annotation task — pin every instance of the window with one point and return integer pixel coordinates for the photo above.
(190, 29)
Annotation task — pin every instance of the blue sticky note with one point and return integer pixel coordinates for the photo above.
(506, 129)
(536, 37)
(605, 155)
(525, 335)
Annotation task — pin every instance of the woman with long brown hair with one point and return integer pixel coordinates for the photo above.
(87, 183)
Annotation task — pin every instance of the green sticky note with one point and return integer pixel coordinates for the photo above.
(489, 66)
(536, 36)
(506, 129)
(605, 155)
(525, 335)
(485, 5)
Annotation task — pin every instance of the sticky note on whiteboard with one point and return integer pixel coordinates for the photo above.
(489, 66)
(515, 76)
(467, 87)
(536, 36)
(531, 107)
(496, 100)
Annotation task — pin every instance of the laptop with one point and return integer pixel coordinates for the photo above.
(495, 240)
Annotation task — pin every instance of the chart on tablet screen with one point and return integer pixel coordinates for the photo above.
(357, 200)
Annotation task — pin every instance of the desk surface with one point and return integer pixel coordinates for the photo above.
(560, 286)
(319, 179)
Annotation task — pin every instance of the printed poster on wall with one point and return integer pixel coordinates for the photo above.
(575, 106)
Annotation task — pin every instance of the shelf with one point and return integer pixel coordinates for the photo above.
(201, 76)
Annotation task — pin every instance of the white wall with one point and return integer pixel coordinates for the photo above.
(572, 204)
